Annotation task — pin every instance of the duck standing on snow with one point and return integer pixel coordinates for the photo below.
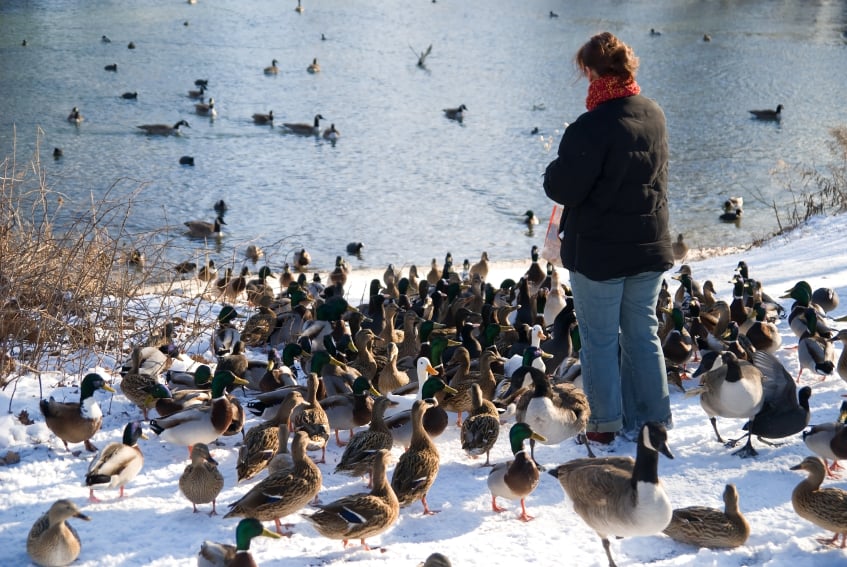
(702, 526)
(418, 466)
(284, 493)
(358, 456)
(829, 441)
(52, 541)
(363, 515)
(824, 507)
(117, 463)
(201, 481)
(482, 428)
(517, 478)
(619, 496)
(76, 422)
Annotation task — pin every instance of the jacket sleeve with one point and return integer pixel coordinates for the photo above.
(570, 177)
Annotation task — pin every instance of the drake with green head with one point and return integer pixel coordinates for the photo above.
(76, 422)
(200, 424)
(213, 554)
(515, 479)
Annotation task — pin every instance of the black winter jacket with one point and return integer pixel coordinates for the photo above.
(612, 178)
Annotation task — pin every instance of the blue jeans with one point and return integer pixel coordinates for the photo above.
(623, 367)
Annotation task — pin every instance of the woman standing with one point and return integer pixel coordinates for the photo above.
(611, 175)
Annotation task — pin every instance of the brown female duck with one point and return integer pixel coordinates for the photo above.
(358, 456)
(702, 526)
(201, 481)
(824, 507)
(52, 541)
(363, 515)
(481, 429)
(418, 466)
(282, 494)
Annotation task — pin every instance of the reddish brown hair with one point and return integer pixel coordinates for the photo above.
(607, 55)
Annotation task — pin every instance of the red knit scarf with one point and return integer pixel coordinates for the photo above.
(608, 88)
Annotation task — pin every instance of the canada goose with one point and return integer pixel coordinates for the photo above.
(355, 248)
(206, 109)
(768, 114)
(130, 95)
(111, 67)
(198, 93)
(331, 133)
(204, 229)
(75, 116)
(304, 128)
(163, 129)
(264, 118)
(273, 69)
(619, 496)
(456, 113)
(731, 388)
(314, 66)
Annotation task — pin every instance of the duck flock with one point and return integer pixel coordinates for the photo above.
(296, 389)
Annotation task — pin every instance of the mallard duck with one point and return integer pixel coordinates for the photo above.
(282, 494)
(259, 327)
(829, 441)
(457, 113)
(272, 69)
(268, 118)
(282, 461)
(619, 496)
(136, 386)
(313, 419)
(841, 363)
(436, 560)
(815, 352)
(463, 381)
(358, 456)
(205, 229)
(482, 428)
(166, 403)
(207, 272)
(389, 377)
(235, 362)
(679, 248)
(763, 334)
(731, 388)
(117, 463)
(826, 298)
(201, 424)
(261, 443)
(824, 507)
(418, 466)
(200, 379)
(201, 481)
(350, 410)
(515, 361)
(768, 114)
(678, 346)
(75, 116)
(363, 515)
(314, 66)
(52, 541)
(555, 411)
(305, 129)
(332, 134)
(702, 526)
(213, 554)
(206, 108)
(517, 478)
(163, 129)
(435, 419)
(76, 422)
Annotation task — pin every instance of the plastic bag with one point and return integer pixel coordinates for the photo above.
(552, 242)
